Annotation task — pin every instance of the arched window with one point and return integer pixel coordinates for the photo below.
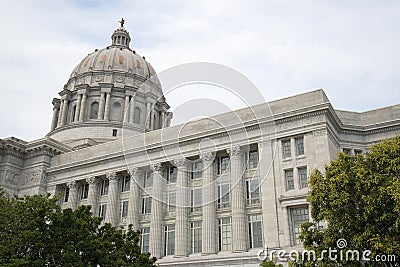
(116, 112)
(136, 115)
(73, 114)
(94, 110)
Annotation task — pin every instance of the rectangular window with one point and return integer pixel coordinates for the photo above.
(104, 187)
(171, 201)
(299, 142)
(172, 173)
(253, 191)
(358, 152)
(125, 183)
(169, 246)
(225, 234)
(65, 194)
(84, 191)
(195, 199)
(253, 159)
(255, 231)
(224, 195)
(302, 174)
(223, 164)
(347, 151)
(197, 169)
(124, 208)
(145, 239)
(148, 179)
(289, 180)
(297, 216)
(102, 211)
(195, 234)
(146, 205)
(114, 132)
(286, 149)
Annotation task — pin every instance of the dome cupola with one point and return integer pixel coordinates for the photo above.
(111, 89)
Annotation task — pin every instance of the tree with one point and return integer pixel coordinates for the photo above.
(355, 205)
(35, 231)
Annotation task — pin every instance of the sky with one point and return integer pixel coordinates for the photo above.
(349, 48)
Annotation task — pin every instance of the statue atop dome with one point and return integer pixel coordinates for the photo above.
(122, 22)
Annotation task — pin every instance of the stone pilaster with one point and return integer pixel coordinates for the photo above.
(209, 224)
(239, 222)
(82, 111)
(107, 107)
(113, 199)
(182, 209)
(73, 195)
(64, 111)
(126, 109)
(156, 217)
(148, 112)
(60, 112)
(134, 198)
(78, 107)
(132, 108)
(93, 195)
(101, 106)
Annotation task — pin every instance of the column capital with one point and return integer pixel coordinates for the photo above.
(134, 172)
(234, 151)
(156, 167)
(207, 157)
(92, 180)
(181, 162)
(112, 176)
(73, 184)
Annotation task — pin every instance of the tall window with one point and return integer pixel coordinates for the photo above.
(172, 173)
(253, 191)
(224, 195)
(289, 180)
(302, 174)
(255, 231)
(102, 210)
(64, 194)
(171, 201)
(124, 208)
(297, 216)
(84, 190)
(224, 234)
(169, 246)
(125, 183)
(145, 239)
(73, 114)
(116, 112)
(223, 164)
(286, 150)
(253, 159)
(136, 115)
(148, 179)
(195, 234)
(104, 187)
(146, 205)
(197, 169)
(94, 110)
(299, 142)
(195, 199)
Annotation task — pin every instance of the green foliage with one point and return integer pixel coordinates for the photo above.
(35, 231)
(357, 199)
(270, 264)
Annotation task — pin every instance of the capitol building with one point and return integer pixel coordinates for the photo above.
(210, 192)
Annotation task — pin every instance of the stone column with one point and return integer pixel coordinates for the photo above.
(60, 112)
(64, 111)
(156, 216)
(209, 224)
(113, 199)
(182, 209)
(82, 111)
(56, 111)
(93, 195)
(162, 119)
(78, 107)
(107, 107)
(126, 109)
(238, 200)
(134, 198)
(101, 106)
(73, 195)
(132, 109)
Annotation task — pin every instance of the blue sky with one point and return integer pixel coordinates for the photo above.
(348, 48)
